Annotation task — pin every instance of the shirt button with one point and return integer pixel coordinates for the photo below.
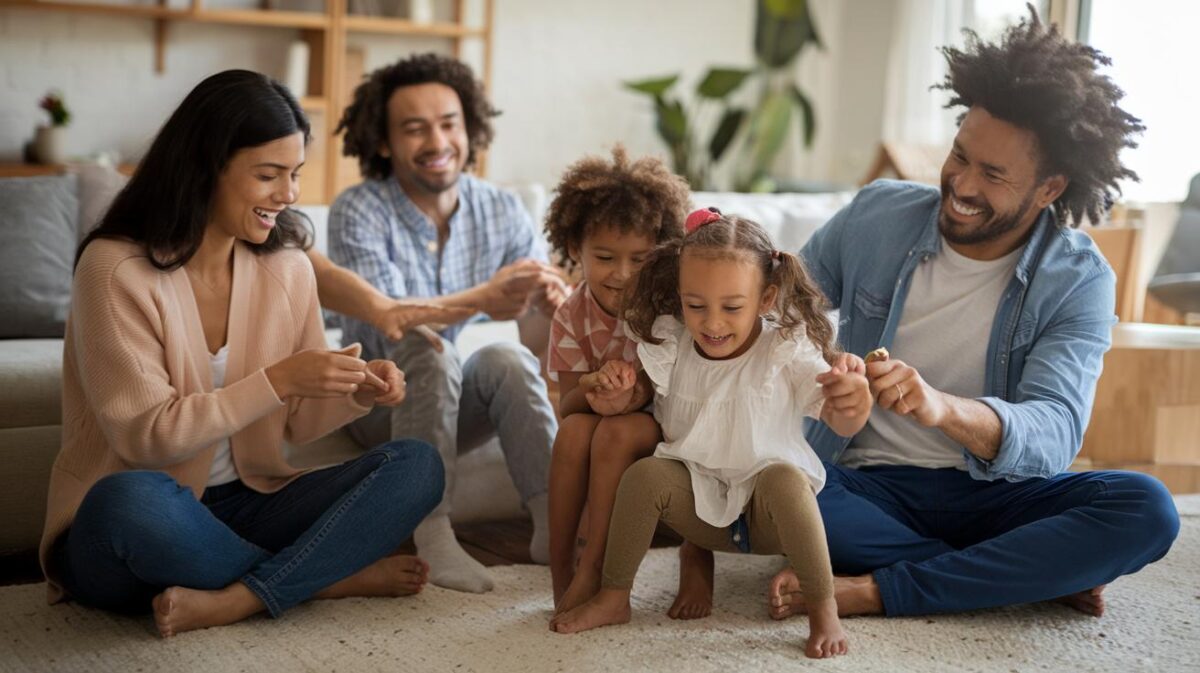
(737, 537)
(431, 246)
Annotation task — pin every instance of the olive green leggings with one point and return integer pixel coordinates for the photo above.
(782, 518)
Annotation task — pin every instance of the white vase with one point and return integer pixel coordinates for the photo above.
(50, 144)
(420, 11)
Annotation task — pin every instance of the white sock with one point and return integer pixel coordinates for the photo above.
(539, 511)
(450, 566)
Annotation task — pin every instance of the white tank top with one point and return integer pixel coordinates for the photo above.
(222, 470)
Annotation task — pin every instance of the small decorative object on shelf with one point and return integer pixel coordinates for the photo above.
(49, 142)
(420, 11)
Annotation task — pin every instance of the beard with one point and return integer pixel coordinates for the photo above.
(994, 224)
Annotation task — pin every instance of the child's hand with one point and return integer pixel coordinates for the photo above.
(610, 391)
(847, 395)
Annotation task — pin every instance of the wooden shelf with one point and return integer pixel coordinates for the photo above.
(259, 17)
(145, 11)
(313, 104)
(324, 32)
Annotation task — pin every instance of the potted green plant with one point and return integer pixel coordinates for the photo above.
(783, 28)
(50, 143)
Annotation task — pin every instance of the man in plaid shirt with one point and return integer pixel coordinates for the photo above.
(419, 227)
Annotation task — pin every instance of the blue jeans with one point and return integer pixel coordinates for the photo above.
(940, 541)
(138, 532)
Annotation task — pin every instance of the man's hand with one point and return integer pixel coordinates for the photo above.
(403, 315)
(512, 288)
(899, 388)
(610, 391)
(847, 395)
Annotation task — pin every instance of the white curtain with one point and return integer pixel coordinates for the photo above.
(914, 114)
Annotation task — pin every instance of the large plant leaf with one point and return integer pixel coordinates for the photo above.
(672, 122)
(656, 86)
(720, 82)
(808, 122)
(731, 121)
(768, 130)
(781, 29)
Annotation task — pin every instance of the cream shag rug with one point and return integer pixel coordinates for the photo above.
(1153, 624)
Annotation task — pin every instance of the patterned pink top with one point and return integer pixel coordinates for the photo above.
(583, 336)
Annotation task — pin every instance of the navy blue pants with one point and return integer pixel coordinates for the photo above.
(138, 532)
(940, 541)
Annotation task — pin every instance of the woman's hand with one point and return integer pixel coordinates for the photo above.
(404, 314)
(384, 386)
(847, 395)
(318, 373)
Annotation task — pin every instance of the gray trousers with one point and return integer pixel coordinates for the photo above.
(458, 406)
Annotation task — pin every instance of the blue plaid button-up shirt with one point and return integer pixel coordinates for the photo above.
(376, 231)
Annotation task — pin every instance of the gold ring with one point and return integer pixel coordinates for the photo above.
(901, 393)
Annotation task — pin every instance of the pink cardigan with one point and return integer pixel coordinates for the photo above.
(137, 388)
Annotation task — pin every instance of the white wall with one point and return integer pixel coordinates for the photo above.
(557, 72)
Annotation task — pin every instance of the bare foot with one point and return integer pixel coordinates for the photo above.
(389, 576)
(608, 606)
(854, 596)
(1090, 602)
(584, 585)
(694, 599)
(825, 635)
(179, 609)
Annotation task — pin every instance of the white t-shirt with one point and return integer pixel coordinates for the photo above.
(222, 470)
(943, 333)
(728, 419)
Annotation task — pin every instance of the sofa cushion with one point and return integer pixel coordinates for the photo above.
(30, 382)
(37, 253)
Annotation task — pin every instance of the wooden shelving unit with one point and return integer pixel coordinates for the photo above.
(325, 32)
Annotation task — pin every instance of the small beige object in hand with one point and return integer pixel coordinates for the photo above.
(878, 355)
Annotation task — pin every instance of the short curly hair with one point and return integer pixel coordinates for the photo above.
(642, 196)
(1039, 81)
(365, 119)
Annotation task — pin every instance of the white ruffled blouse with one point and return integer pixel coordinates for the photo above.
(728, 419)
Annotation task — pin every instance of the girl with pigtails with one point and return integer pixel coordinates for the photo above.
(733, 340)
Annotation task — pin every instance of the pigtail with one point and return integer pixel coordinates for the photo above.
(656, 291)
(801, 304)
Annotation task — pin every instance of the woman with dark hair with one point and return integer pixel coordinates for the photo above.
(194, 348)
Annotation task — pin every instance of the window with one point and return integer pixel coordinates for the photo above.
(1155, 48)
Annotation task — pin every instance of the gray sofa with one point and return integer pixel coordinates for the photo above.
(30, 369)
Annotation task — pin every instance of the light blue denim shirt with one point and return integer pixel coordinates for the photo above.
(1047, 344)
(376, 231)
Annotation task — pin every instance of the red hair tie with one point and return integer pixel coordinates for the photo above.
(701, 217)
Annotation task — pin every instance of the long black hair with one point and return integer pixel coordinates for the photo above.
(166, 204)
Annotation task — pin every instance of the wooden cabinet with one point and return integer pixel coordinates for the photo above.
(333, 70)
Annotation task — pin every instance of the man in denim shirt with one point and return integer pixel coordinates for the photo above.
(419, 227)
(998, 315)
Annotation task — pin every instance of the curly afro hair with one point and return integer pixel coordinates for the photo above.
(642, 196)
(365, 119)
(1037, 80)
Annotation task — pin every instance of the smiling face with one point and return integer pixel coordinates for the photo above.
(722, 298)
(991, 191)
(255, 186)
(426, 138)
(611, 260)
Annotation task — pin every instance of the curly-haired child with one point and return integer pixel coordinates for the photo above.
(605, 219)
(735, 345)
